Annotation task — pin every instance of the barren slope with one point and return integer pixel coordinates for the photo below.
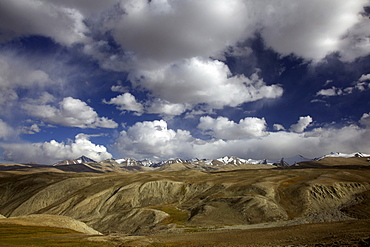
(49, 221)
(147, 202)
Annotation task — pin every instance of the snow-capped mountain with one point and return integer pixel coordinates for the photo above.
(232, 160)
(145, 162)
(222, 161)
(343, 155)
(169, 162)
(80, 160)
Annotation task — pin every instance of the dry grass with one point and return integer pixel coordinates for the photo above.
(177, 216)
(17, 235)
(349, 233)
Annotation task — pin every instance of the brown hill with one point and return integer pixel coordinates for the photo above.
(351, 163)
(50, 221)
(146, 202)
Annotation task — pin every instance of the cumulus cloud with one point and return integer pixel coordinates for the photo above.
(333, 91)
(35, 17)
(365, 120)
(301, 125)
(166, 31)
(278, 127)
(34, 128)
(5, 130)
(365, 77)
(53, 151)
(126, 102)
(71, 112)
(310, 29)
(155, 139)
(197, 81)
(160, 32)
(17, 74)
(119, 88)
(356, 41)
(287, 144)
(360, 85)
(223, 128)
(163, 107)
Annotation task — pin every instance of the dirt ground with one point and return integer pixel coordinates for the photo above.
(348, 233)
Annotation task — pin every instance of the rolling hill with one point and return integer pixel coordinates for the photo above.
(177, 198)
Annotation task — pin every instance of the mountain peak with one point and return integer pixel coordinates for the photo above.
(344, 155)
(85, 159)
(80, 160)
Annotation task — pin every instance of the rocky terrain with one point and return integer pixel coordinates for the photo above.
(143, 204)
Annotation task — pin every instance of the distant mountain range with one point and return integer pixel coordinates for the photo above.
(205, 163)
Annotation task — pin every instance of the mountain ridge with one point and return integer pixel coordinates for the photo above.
(224, 160)
(86, 164)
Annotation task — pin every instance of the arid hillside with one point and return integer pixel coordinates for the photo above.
(172, 202)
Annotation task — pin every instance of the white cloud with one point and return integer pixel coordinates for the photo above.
(287, 144)
(365, 120)
(53, 151)
(119, 88)
(278, 127)
(365, 77)
(197, 81)
(71, 112)
(223, 128)
(356, 41)
(360, 85)
(28, 77)
(173, 30)
(333, 91)
(166, 31)
(310, 29)
(164, 107)
(5, 130)
(18, 74)
(154, 139)
(36, 17)
(126, 102)
(158, 32)
(301, 125)
(34, 128)
(92, 7)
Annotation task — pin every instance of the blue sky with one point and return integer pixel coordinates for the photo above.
(167, 78)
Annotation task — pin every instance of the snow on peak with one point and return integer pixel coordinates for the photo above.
(145, 162)
(344, 155)
(80, 160)
(84, 159)
(232, 160)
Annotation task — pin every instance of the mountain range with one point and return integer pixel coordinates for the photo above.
(226, 160)
(85, 164)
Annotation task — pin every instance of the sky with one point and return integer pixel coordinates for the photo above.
(163, 79)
